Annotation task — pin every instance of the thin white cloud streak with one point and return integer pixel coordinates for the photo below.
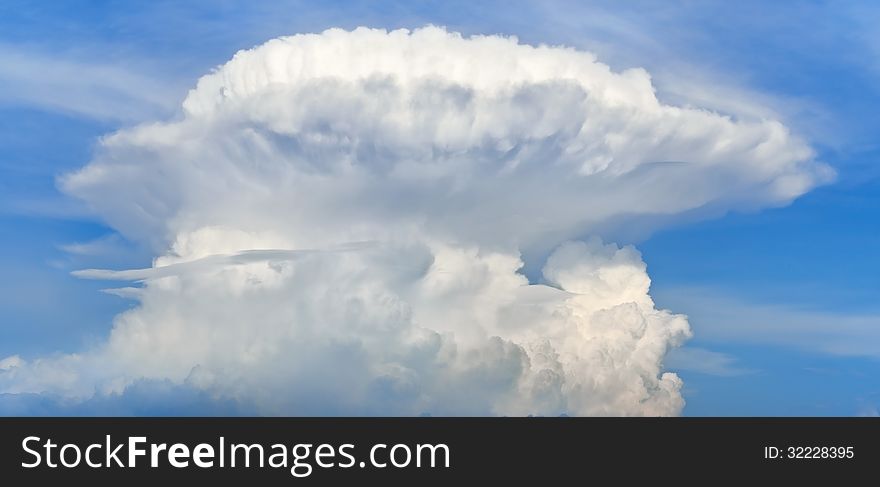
(701, 360)
(81, 87)
(722, 319)
(107, 244)
(212, 262)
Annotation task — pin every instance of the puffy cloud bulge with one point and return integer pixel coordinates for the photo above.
(339, 220)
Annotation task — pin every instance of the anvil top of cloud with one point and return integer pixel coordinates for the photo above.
(346, 135)
(448, 156)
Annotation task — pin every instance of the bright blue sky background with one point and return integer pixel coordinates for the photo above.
(785, 303)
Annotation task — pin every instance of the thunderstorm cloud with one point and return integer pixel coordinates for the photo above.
(339, 222)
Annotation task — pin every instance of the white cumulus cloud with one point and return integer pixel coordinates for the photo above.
(339, 221)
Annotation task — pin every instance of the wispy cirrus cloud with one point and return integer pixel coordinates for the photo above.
(718, 318)
(696, 359)
(82, 87)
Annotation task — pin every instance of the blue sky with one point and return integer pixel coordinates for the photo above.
(790, 281)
